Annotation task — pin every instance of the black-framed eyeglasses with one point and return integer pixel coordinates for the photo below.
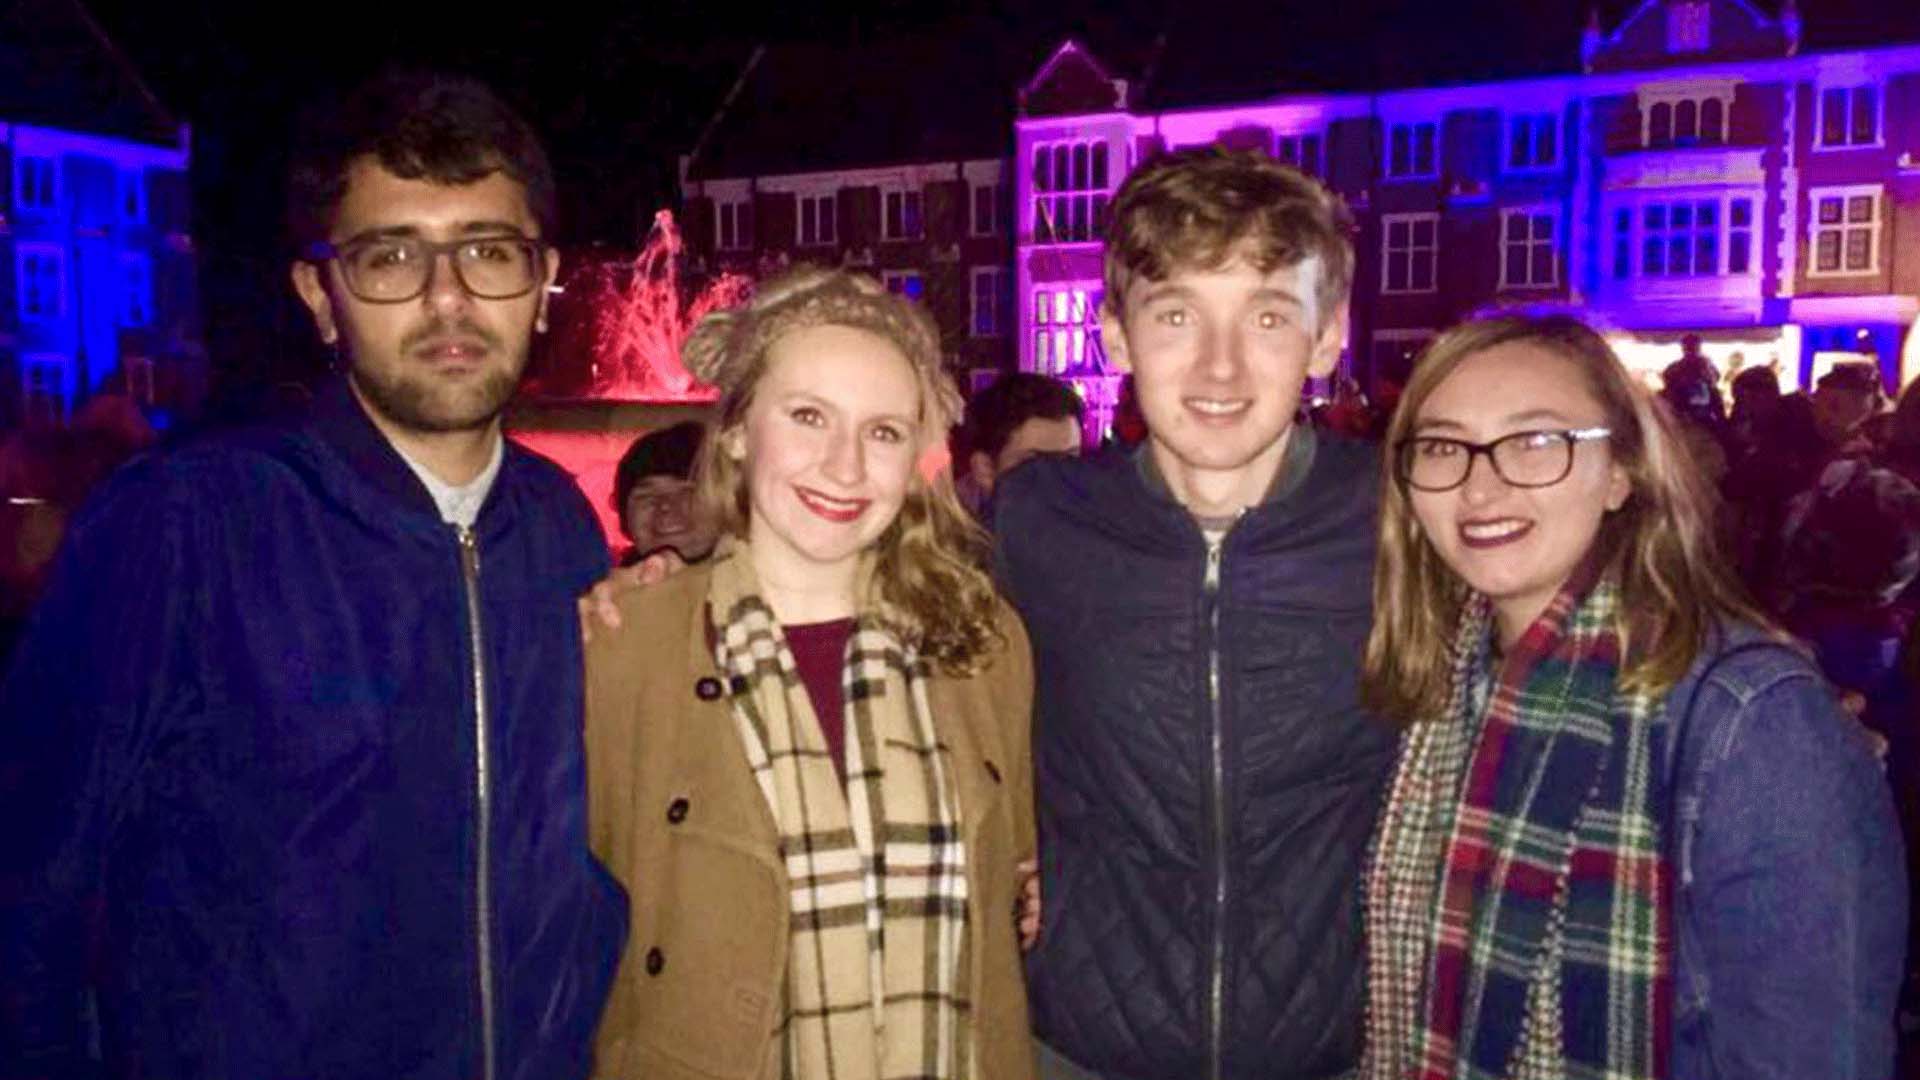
(396, 269)
(1528, 459)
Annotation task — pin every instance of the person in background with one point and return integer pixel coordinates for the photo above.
(1631, 833)
(1021, 414)
(1844, 399)
(653, 494)
(809, 754)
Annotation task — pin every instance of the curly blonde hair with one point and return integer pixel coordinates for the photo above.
(928, 562)
(1675, 587)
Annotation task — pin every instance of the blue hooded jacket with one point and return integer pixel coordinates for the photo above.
(277, 803)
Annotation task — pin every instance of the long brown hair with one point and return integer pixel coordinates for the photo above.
(927, 566)
(1675, 586)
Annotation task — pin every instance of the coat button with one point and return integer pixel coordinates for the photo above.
(993, 771)
(676, 811)
(708, 688)
(656, 960)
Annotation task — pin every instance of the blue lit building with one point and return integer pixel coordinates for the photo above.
(1707, 167)
(97, 283)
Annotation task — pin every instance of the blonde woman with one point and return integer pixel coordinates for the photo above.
(1630, 833)
(808, 757)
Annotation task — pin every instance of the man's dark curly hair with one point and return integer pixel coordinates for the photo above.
(443, 128)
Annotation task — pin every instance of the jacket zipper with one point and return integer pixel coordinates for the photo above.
(1216, 992)
(483, 799)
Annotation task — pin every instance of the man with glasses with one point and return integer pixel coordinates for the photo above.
(295, 784)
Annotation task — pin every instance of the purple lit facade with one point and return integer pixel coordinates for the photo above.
(1700, 176)
(97, 282)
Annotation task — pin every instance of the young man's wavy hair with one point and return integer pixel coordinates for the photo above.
(1202, 207)
(419, 126)
(1675, 587)
(928, 562)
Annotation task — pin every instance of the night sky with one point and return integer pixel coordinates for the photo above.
(620, 90)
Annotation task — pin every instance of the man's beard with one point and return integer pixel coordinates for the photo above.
(416, 399)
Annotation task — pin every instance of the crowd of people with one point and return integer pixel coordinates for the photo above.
(1492, 745)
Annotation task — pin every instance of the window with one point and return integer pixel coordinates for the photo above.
(138, 373)
(1066, 333)
(989, 286)
(1689, 26)
(1530, 254)
(1410, 252)
(1684, 238)
(42, 277)
(1410, 150)
(734, 222)
(43, 384)
(136, 290)
(907, 283)
(1850, 116)
(1394, 353)
(1846, 230)
(986, 209)
(902, 218)
(36, 183)
(1071, 182)
(817, 225)
(132, 196)
(1533, 142)
(1300, 151)
(1686, 121)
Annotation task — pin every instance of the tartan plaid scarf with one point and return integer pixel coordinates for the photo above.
(1518, 909)
(876, 984)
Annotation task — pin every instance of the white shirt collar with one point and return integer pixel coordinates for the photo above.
(460, 504)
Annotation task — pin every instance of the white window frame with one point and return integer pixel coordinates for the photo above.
(1546, 210)
(130, 195)
(45, 363)
(1672, 98)
(997, 323)
(1387, 222)
(1534, 122)
(995, 196)
(1412, 171)
(25, 252)
(50, 188)
(733, 224)
(905, 196)
(1875, 228)
(1289, 148)
(1820, 91)
(1724, 234)
(1077, 212)
(896, 283)
(136, 273)
(1066, 324)
(826, 227)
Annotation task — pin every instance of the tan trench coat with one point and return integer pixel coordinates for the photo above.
(677, 817)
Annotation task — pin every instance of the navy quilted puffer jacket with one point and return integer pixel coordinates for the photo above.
(1206, 778)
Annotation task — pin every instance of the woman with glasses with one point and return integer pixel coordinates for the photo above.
(808, 756)
(1631, 834)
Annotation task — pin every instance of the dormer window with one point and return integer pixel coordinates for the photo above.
(1689, 26)
(1685, 119)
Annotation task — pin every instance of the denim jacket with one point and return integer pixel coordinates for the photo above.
(1791, 916)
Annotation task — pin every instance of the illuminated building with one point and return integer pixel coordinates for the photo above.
(1698, 174)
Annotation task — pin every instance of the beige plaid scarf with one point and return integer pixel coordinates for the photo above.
(877, 966)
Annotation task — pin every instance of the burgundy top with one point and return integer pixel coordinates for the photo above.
(820, 655)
